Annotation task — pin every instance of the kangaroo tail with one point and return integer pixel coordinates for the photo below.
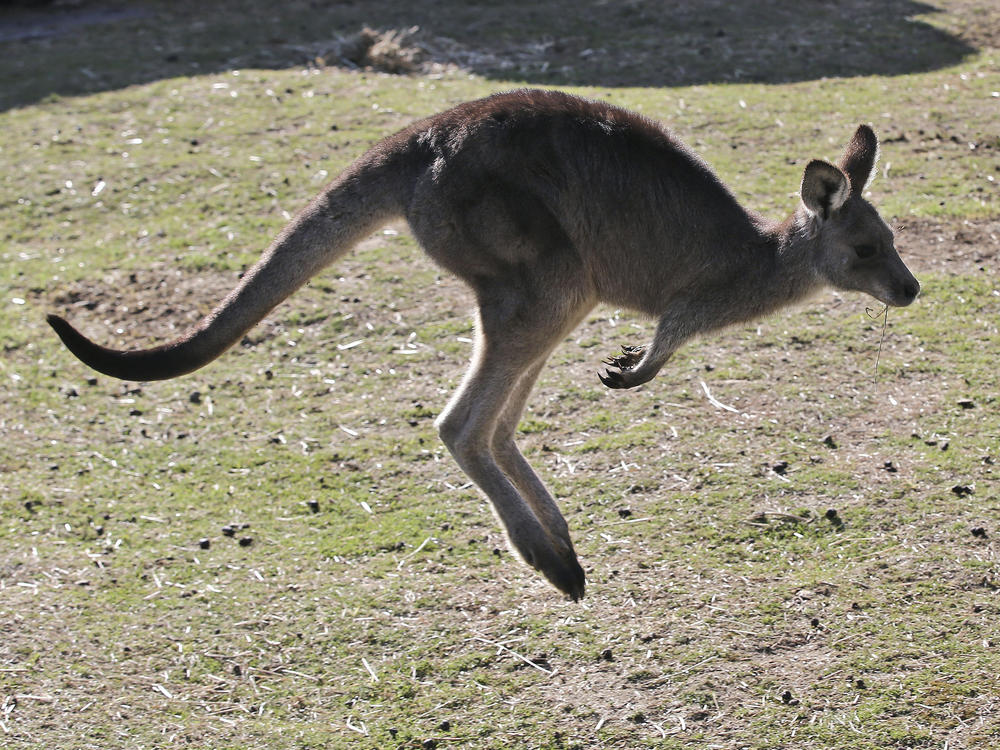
(368, 194)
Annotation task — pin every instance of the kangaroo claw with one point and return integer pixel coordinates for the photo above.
(619, 377)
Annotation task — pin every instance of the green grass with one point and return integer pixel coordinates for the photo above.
(724, 608)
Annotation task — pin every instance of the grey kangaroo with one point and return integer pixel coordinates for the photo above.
(545, 205)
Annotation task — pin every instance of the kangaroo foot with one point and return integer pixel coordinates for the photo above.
(558, 563)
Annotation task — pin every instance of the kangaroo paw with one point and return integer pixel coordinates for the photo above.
(622, 376)
(628, 359)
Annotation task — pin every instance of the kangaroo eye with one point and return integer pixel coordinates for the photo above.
(864, 251)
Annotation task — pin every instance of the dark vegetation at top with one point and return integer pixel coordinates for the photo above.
(571, 42)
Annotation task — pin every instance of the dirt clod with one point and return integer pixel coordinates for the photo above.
(788, 699)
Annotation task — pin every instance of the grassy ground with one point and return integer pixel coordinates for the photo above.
(277, 551)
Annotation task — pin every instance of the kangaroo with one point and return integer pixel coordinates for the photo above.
(545, 205)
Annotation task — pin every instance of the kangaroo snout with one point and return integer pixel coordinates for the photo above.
(911, 289)
(906, 288)
(898, 294)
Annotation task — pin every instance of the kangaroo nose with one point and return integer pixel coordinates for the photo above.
(911, 289)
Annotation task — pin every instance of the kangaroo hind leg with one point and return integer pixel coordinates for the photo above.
(515, 465)
(515, 335)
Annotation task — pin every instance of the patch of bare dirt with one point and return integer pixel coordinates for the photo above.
(140, 308)
(954, 247)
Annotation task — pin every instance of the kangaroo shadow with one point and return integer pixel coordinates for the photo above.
(94, 45)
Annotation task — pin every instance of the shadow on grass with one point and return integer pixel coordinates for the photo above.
(95, 45)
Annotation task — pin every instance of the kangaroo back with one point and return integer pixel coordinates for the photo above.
(372, 191)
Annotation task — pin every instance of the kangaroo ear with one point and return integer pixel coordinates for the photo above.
(825, 188)
(860, 158)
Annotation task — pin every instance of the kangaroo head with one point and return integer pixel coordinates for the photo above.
(854, 247)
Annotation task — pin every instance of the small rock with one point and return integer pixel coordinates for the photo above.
(541, 660)
(962, 490)
(205, 543)
(780, 468)
(860, 684)
(195, 397)
(229, 530)
(607, 655)
(890, 467)
(624, 512)
(966, 403)
(829, 442)
(788, 699)
(92, 381)
(444, 726)
(979, 531)
(313, 505)
(246, 541)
